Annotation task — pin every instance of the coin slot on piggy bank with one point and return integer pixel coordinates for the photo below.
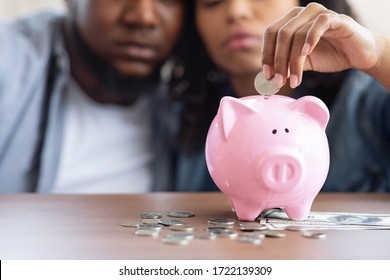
(269, 153)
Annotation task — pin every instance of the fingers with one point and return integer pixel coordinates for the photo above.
(322, 23)
(287, 43)
(270, 40)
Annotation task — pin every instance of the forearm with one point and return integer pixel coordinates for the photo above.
(381, 71)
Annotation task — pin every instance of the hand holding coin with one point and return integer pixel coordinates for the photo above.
(265, 87)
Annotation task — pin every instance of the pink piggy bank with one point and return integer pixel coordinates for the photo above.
(269, 152)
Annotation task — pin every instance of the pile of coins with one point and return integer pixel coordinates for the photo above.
(265, 87)
(181, 233)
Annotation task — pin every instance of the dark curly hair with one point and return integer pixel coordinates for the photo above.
(198, 85)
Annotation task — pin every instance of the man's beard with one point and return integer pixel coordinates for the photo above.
(109, 77)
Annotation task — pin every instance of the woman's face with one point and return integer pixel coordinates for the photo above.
(232, 30)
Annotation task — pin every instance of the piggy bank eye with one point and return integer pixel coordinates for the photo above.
(286, 129)
(274, 131)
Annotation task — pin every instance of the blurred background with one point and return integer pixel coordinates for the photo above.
(373, 14)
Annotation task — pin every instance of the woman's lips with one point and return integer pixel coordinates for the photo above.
(241, 40)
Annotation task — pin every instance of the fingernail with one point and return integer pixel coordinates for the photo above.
(267, 71)
(279, 80)
(305, 49)
(294, 81)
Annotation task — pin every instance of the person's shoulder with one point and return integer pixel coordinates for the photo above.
(37, 33)
(359, 81)
(38, 23)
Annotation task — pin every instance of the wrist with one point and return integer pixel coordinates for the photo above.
(381, 70)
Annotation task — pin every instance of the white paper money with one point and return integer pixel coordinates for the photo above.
(277, 219)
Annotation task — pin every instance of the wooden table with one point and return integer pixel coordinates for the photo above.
(77, 227)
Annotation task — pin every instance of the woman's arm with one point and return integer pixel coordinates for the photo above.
(315, 38)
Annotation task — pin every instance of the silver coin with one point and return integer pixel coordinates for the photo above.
(252, 227)
(171, 222)
(269, 211)
(175, 241)
(186, 228)
(218, 230)
(151, 221)
(150, 226)
(211, 226)
(130, 224)
(274, 234)
(295, 228)
(250, 240)
(150, 215)
(180, 214)
(229, 234)
(222, 221)
(263, 86)
(254, 234)
(315, 235)
(147, 232)
(180, 235)
(206, 235)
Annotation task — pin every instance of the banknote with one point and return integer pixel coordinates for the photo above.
(277, 219)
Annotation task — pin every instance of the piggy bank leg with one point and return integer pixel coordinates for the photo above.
(298, 212)
(246, 212)
(232, 205)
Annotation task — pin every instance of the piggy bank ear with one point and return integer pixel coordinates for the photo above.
(231, 109)
(313, 107)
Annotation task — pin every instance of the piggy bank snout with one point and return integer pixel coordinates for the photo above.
(280, 170)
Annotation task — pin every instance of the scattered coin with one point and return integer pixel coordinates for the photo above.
(295, 228)
(147, 232)
(315, 235)
(250, 240)
(274, 234)
(130, 224)
(151, 221)
(218, 230)
(150, 215)
(180, 214)
(230, 234)
(266, 212)
(206, 235)
(186, 228)
(219, 227)
(263, 86)
(253, 227)
(254, 234)
(222, 221)
(181, 235)
(150, 226)
(171, 222)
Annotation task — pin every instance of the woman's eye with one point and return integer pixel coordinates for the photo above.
(211, 3)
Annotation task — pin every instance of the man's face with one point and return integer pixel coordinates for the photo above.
(133, 36)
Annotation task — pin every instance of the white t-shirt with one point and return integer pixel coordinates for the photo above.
(106, 148)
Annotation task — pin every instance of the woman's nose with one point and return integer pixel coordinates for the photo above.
(238, 10)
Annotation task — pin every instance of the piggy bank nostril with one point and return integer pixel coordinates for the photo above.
(287, 130)
(274, 131)
(280, 171)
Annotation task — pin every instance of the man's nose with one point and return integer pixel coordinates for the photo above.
(143, 12)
